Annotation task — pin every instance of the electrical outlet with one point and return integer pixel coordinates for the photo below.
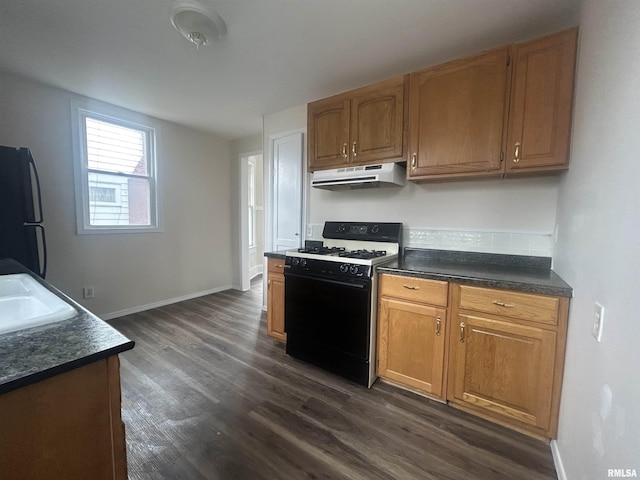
(309, 231)
(87, 292)
(598, 322)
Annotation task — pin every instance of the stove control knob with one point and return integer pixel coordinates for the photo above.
(295, 262)
(342, 228)
(344, 268)
(375, 229)
(303, 262)
(353, 270)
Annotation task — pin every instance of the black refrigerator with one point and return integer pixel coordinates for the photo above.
(21, 232)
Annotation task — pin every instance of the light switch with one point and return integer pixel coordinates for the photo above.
(598, 322)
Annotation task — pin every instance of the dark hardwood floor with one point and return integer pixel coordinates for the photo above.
(207, 395)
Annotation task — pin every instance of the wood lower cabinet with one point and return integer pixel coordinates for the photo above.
(541, 104)
(275, 299)
(456, 117)
(498, 354)
(412, 331)
(67, 426)
(360, 127)
(506, 356)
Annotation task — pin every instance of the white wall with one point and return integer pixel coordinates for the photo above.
(127, 270)
(498, 205)
(598, 251)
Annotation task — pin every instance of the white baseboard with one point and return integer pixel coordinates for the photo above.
(557, 460)
(255, 271)
(162, 303)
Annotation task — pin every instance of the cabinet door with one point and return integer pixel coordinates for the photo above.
(328, 133)
(377, 123)
(65, 427)
(502, 368)
(411, 340)
(456, 117)
(275, 307)
(541, 103)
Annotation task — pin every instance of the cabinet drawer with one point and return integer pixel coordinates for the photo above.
(276, 265)
(523, 306)
(433, 292)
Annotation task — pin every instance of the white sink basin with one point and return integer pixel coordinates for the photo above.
(25, 303)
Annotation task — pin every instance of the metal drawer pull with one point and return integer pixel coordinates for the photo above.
(344, 150)
(411, 287)
(414, 157)
(353, 149)
(438, 323)
(462, 325)
(502, 304)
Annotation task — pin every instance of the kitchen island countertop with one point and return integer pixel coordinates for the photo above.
(34, 354)
(512, 272)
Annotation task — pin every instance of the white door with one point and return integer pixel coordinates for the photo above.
(288, 178)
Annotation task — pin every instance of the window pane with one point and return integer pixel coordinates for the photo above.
(115, 148)
(126, 203)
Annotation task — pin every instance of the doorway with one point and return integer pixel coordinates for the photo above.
(251, 217)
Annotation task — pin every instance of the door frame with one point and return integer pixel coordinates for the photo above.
(268, 196)
(269, 190)
(243, 227)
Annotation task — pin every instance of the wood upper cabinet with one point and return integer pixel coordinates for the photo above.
(328, 133)
(506, 356)
(456, 117)
(360, 127)
(541, 104)
(412, 333)
(275, 299)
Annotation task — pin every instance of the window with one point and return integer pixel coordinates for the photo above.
(116, 184)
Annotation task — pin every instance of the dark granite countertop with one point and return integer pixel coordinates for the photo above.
(34, 354)
(277, 254)
(513, 272)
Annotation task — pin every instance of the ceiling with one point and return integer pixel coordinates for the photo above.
(276, 53)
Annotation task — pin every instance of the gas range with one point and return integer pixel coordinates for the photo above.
(349, 244)
(330, 302)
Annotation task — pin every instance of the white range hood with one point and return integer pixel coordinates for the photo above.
(367, 176)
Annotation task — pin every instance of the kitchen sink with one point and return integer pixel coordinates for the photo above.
(25, 303)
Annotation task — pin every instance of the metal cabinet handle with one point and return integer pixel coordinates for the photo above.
(353, 149)
(344, 150)
(414, 159)
(438, 325)
(516, 155)
(502, 304)
(462, 325)
(411, 287)
(268, 284)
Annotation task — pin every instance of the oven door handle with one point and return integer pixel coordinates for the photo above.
(360, 285)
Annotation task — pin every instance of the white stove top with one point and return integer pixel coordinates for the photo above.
(350, 246)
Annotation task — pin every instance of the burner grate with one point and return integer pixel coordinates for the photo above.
(322, 250)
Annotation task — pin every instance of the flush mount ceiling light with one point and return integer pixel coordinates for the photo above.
(196, 22)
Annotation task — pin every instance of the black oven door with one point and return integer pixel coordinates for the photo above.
(327, 321)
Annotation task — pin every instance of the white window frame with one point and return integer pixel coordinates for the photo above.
(118, 116)
(251, 203)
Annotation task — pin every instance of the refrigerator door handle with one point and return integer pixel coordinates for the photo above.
(43, 265)
(37, 216)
